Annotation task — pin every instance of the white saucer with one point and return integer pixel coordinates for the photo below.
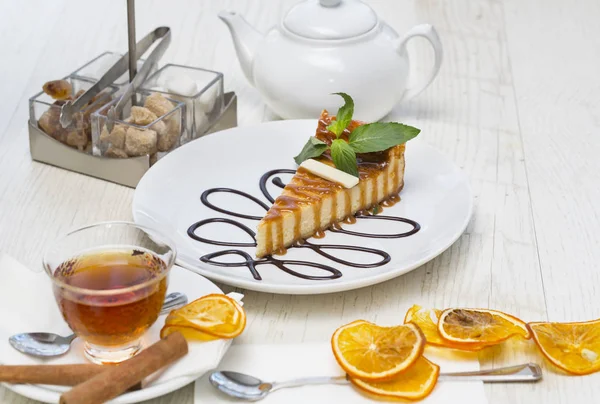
(201, 357)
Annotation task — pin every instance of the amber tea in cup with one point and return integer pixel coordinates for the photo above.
(110, 294)
(116, 318)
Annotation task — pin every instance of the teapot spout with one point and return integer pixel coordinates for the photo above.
(245, 39)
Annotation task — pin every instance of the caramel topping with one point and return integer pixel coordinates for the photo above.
(391, 201)
(319, 234)
(350, 219)
(304, 188)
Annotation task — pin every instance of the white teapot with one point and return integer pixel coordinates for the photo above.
(327, 46)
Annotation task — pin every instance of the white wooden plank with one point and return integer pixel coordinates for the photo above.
(553, 48)
(24, 35)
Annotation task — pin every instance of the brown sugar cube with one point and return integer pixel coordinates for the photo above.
(167, 140)
(77, 138)
(158, 104)
(116, 153)
(116, 138)
(174, 124)
(58, 89)
(49, 122)
(160, 127)
(139, 142)
(142, 116)
(79, 133)
(153, 158)
(161, 130)
(105, 135)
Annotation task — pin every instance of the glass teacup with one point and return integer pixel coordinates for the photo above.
(110, 281)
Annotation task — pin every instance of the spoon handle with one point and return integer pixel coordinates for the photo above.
(528, 372)
(309, 380)
(70, 338)
(173, 301)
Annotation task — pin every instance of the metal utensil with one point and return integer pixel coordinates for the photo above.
(173, 301)
(45, 344)
(250, 388)
(161, 35)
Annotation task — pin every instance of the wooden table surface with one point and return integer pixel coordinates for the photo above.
(516, 105)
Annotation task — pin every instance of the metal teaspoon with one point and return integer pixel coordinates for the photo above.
(45, 344)
(250, 388)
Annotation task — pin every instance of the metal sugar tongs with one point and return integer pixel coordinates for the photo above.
(162, 36)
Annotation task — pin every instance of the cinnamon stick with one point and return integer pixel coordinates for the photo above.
(57, 375)
(116, 380)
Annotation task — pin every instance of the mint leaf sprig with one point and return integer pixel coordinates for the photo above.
(344, 157)
(343, 117)
(313, 148)
(369, 138)
(379, 136)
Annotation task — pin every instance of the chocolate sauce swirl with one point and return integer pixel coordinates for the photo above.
(208, 204)
(324, 250)
(337, 228)
(320, 249)
(191, 231)
(276, 181)
(251, 263)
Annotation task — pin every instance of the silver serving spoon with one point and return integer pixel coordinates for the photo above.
(250, 388)
(45, 344)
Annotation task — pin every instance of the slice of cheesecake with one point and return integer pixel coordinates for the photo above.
(310, 203)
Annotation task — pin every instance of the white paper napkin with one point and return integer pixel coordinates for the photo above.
(28, 305)
(282, 362)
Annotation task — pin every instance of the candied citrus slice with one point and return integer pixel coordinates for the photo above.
(214, 314)
(190, 334)
(427, 321)
(573, 347)
(370, 352)
(415, 383)
(482, 326)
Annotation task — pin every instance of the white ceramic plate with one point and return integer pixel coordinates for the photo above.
(201, 357)
(436, 195)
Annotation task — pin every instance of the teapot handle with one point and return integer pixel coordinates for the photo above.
(428, 32)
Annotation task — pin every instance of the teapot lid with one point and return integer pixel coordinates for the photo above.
(330, 19)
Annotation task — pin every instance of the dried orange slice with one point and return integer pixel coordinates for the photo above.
(415, 383)
(427, 321)
(479, 326)
(190, 334)
(214, 314)
(573, 347)
(370, 352)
